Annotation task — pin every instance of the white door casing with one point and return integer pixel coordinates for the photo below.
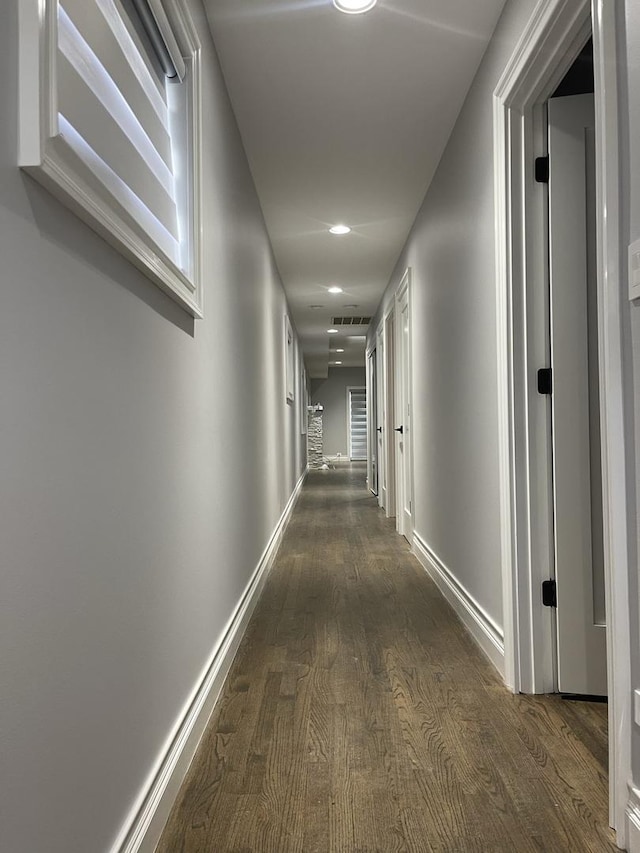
(582, 651)
(372, 415)
(390, 413)
(403, 427)
(549, 43)
(380, 433)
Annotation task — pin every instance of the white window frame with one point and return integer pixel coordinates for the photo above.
(351, 388)
(304, 399)
(47, 156)
(289, 361)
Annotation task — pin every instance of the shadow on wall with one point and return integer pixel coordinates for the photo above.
(63, 228)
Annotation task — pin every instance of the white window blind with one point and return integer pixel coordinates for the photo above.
(357, 423)
(113, 110)
(121, 139)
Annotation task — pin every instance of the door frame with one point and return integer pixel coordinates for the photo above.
(549, 44)
(389, 405)
(371, 358)
(379, 414)
(404, 291)
(580, 621)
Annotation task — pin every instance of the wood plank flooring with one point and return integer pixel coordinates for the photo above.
(360, 718)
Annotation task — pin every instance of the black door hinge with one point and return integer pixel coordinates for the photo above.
(542, 170)
(544, 380)
(549, 597)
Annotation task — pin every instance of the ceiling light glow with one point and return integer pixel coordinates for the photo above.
(339, 350)
(332, 331)
(335, 289)
(339, 229)
(354, 7)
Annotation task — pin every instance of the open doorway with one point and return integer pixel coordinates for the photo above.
(572, 386)
(526, 315)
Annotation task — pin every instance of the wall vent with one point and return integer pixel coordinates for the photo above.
(351, 321)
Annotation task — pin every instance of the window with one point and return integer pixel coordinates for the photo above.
(110, 123)
(289, 355)
(357, 401)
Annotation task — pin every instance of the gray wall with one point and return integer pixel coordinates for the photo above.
(145, 462)
(332, 393)
(451, 253)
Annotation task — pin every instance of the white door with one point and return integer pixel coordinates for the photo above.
(379, 415)
(404, 489)
(579, 565)
(372, 418)
(389, 436)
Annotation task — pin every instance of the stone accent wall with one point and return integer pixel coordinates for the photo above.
(314, 437)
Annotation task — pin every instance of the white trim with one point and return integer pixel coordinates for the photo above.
(634, 270)
(487, 634)
(632, 816)
(614, 470)
(304, 399)
(390, 502)
(143, 827)
(371, 415)
(379, 414)
(404, 289)
(555, 33)
(504, 342)
(289, 361)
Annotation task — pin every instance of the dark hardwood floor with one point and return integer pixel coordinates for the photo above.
(359, 717)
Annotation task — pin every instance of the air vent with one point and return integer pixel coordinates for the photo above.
(351, 321)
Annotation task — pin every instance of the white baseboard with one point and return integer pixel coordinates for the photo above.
(143, 828)
(482, 628)
(633, 820)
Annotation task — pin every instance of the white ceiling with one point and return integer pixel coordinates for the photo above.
(344, 119)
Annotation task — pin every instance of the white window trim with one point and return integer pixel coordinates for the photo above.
(351, 388)
(289, 361)
(47, 157)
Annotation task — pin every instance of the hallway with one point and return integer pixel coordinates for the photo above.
(359, 716)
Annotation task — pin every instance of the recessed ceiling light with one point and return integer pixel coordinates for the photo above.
(339, 229)
(336, 362)
(354, 7)
(351, 306)
(315, 307)
(332, 331)
(335, 289)
(339, 350)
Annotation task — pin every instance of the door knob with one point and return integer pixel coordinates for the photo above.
(399, 429)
